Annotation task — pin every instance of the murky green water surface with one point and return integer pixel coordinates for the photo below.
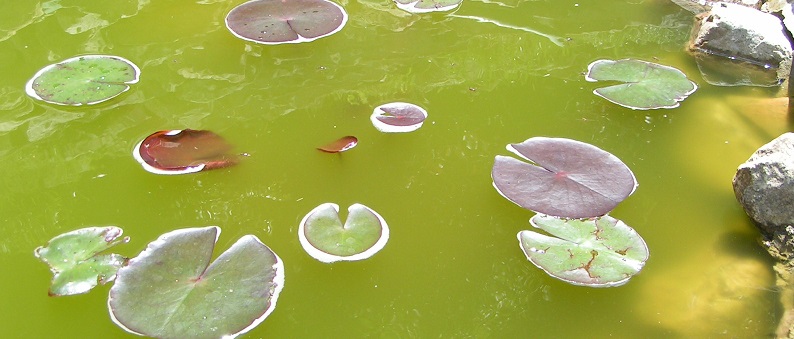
(489, 74)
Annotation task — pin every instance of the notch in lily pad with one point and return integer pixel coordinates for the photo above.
(596, 252)
(339, 145)
(564, 178)
(275, 22)
(426, 6)
(83, 80)
(646, 85)
(183, 151)
(76, 260)
(171, 290)
(398, 117)
(325, 238)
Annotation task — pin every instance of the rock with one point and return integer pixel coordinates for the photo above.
(745, 41)
(764, 186)
(700, 6)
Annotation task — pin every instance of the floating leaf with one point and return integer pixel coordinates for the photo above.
(566, 178)
(83, 80)
(326, 239)
(183, 151)
(398, 117)
(600, 252)
(340, 145)
(646, 85)
(171, 290)
(426, 6)
(75, 261)
(285, 21)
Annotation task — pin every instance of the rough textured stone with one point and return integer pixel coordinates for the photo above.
(700, 6)
(743, 35)
(764, 186)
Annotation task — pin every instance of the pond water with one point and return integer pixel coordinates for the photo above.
(489, 74)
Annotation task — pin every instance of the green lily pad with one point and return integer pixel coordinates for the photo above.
(597, 252)
(83, 80)
(426, 6)
(326, 239)
(75, 262)
(171, 290)
(646, 85)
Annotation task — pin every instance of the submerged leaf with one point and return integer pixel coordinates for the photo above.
(600, 252)
(340, 145)
(183, 151)
(567, 178)
(285, 21)
(326, 239)
(646, 85)
(75, 261)
(171, 290)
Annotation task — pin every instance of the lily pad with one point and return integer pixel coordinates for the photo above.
(171, 290)
(340, 145)
(566, 178)
(75, 260)
(83, 80)
(599, 252)
(646, 85)
(285, 21)
(183, 151)
(426, 6)
(326, 239)
(397, 117)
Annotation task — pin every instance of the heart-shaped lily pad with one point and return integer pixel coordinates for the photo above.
(340, 145)
(285, 21)
(567, 178)
(83, 80)
(326, 239)
(599, 252)
(171, 290)
(426, 6)
(183, 151)
(75, 260)
(646, 85)
(397, 117)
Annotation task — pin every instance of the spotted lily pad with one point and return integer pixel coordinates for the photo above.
(326, 239)
(340, 145)
(397, 117)
(598, 252)
(646, 85)
(183, 151)
(426, 6)
(566, 178)
(83, 80)
(171, 290)
(285, 21)
(75, 260)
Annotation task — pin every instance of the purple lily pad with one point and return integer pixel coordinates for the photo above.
(340, 145)
(183, 151)
(397, 117)
(285, 21)
(567, 178)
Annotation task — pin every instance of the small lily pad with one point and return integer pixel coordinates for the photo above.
(567, 178)
(326, 239)
(398, 117)
(171, 290)
(83, 80)
(183, 151)
(646, 85)
(426, 6)
(75, 260)
(340, 145)
(285, 21)
(599, 252)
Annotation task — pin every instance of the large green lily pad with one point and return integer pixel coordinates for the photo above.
(325, 238)
(75, 260)
(171, 290)
(646, 85)
(597, 252)
(83, 80)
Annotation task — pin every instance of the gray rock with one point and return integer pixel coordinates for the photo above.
(700, 6)
(764, 186)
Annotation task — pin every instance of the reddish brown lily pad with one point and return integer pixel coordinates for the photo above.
(183, 151)
(340, 145)
(285, 21)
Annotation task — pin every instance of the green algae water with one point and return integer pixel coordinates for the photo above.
(489, 73)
